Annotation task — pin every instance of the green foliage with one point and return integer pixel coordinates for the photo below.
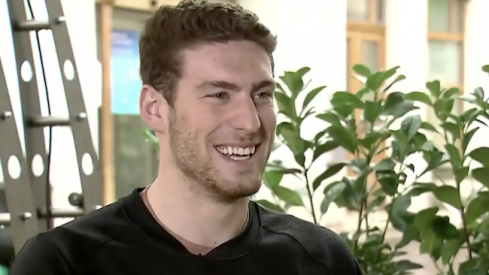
(393, 155)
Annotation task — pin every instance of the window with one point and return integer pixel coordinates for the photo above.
(365, 11)
(445, 41)
(445, 49)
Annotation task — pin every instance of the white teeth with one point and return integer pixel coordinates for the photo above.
(237, 151)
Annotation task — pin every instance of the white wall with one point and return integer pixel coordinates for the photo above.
(80, 17)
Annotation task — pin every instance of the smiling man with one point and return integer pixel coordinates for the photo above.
(207, 70)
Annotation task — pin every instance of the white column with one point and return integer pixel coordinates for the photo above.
(476, 54)
(313, 34)
(80, 16)
(407, 41)
(407, 47)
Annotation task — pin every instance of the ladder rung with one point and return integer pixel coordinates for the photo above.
(5, 218)
(32, 25)
(76, 199)
(49, 121)
(62, 213)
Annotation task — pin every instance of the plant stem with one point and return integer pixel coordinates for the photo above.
(464, 228)
(309, 194)
(462, 207)
(366, 219)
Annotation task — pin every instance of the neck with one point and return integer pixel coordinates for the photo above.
(187, 212)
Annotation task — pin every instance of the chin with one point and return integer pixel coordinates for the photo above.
(238, 187)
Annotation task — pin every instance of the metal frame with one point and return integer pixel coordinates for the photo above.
(29, 209)
(91, 183)
(29, 97)
(18, 191)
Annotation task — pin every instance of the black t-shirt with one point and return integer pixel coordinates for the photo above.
(124, 239)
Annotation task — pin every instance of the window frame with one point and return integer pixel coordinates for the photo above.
(372, 25)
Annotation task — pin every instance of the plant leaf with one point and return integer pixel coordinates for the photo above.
(485, 68)
(385, 165)
(452, 128)
(451, 92)
(450, 249)
(398, 79)
(455, 157)
(389, 184)
(404, 265)
(372, 110)
(361, 70)
(468, 137)
(480, 174)
(481, 155)
(375, 80)
(287, 195)
(331, 192)
(444, 229)
(294, 80)
(311, 95)
(331, 171)
(476, 208)
(410, 126)
(448, 194)
(323, 148)
(428, 126)
(341, 98)
(344, 136)
(285, 105)
(330, 117)
(419, 97)
(272, 178)
(270, 206)
(434, 88)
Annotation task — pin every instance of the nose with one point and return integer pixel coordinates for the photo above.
(245, 116)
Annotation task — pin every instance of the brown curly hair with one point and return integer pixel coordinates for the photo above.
(173, 28)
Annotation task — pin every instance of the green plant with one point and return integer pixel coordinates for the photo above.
(392, 156)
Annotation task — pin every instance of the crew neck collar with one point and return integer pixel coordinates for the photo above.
(140, 215)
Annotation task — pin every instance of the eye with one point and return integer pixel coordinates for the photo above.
(263, 95)
(220, 95)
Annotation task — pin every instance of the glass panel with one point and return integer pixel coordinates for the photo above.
(458, 23)
(380, 11)
(370, 55)
(370, 58)
(357, 10)
(439, 15)
(444, 62)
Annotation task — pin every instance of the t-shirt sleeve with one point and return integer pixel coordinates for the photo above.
(38, 256)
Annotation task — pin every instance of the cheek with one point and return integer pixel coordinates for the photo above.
(204, 123)
(268, 118)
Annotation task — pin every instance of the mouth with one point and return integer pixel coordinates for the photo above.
(237, 153)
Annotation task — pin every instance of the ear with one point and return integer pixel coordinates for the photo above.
(153, 108)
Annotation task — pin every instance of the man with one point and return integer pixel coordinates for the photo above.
(208, 90)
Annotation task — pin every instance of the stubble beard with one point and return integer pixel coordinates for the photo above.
(199, 168)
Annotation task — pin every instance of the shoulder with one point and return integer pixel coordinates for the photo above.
(65, 247)
(320, 242)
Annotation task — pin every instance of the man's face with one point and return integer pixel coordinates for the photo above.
(222, 126)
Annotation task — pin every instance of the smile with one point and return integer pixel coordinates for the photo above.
(237, 153)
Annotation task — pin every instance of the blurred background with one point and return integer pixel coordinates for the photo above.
(429, 39)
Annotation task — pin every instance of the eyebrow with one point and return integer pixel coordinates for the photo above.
(233, 86)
